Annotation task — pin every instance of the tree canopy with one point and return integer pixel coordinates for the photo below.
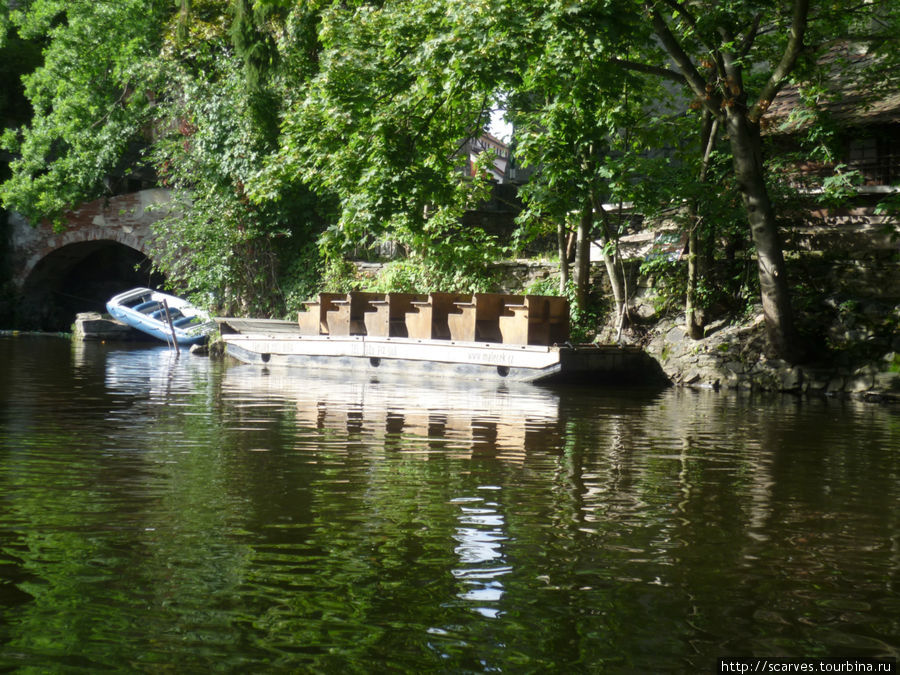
(88, 96)
(292, 133)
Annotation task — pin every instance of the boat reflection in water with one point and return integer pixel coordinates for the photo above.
(466, 419)
(470, 422)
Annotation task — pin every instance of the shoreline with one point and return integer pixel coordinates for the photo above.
(732, 357)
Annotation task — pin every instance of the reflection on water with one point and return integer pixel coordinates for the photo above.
(160, 512)
(480, 550)
(462, 420)
(157, 372)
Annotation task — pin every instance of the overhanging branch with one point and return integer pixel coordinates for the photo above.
(750, 36)
(792, 51)
(660, 71)
(683, 12)
(692, 76)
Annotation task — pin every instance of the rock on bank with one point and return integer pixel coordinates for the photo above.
(732, 356)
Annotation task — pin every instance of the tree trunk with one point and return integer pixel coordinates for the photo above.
(562, 247)
(582, 275)
(613, 271)
(747, 155)
(693, 318)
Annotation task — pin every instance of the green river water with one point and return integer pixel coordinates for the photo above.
(164, 513)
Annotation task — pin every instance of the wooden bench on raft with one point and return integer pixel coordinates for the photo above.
(428, 318)
(347, 317)
(482, 317)
(314, 320)
(477, 320)
(387, 317)
(538, 320)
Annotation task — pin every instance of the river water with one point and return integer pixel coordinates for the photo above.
(161, 512)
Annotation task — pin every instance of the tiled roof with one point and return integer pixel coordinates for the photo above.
(852, 96)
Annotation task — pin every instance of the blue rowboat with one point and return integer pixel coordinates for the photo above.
(162, 315)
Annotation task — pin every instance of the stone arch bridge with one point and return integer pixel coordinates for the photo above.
(102, 250)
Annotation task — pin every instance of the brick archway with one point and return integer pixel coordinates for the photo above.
(103, 249)
(123, 219)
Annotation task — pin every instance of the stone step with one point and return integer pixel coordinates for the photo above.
(93, 326)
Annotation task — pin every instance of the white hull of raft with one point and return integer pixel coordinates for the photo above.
(401, 356)
(274, 343)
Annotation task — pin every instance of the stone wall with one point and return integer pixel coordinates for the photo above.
(125, 219)
(846, 277)
(733, 356)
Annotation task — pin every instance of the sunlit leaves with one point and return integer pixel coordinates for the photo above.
(575, 111)
(87, 97)
(400, 87)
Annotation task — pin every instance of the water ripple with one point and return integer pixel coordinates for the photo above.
(163, 512)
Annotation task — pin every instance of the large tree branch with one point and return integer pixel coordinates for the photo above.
(683, 13)
(750, 36)
(667, 73)
(692, 76)
(125, 91)
(734, 76)
(786, 65)
(710, 131)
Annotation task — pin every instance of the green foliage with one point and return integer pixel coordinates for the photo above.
(340, 276)
(423, 275)
(201, 103)
(300, 274)
(80, 130)
(293, 134)
(727, 287)
(669, 283)
(894, 365)
(814, 164)
(586, 318)
(546, 286)
(253, 257)
(213, 241)
(17, 58)
(890, 206)
(581, 122)
(446, 256)
(381, 126)
(403, 276)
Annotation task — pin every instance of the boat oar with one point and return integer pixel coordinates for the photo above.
(171, 325)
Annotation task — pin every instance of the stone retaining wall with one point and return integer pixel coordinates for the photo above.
(733, 357)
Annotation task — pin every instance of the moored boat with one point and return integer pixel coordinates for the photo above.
(166, 317)
(486, 336)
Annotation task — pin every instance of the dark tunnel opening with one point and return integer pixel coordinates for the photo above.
(80, 278)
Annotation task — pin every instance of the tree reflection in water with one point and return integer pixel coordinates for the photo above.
(173, 514)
